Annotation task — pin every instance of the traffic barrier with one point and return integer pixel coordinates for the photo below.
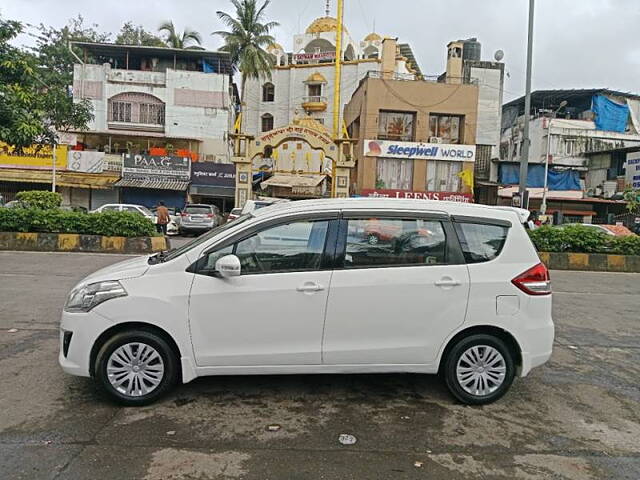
(595, 262)
(72, 242)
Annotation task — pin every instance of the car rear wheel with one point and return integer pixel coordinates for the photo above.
(136, 367)
(479, 369)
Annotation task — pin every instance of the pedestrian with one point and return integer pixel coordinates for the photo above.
(162, 218)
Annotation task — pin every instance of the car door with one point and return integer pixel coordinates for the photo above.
(273, 313)
(397, 296)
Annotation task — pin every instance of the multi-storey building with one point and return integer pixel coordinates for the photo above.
(302, 80)
(155, 102)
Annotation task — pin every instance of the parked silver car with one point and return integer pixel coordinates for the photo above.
(199, 218)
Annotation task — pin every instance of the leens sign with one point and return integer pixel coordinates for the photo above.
(444, 196)
(420, 151)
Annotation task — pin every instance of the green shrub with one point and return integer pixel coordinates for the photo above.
(40, 199)
(116, 224)
(580, 239)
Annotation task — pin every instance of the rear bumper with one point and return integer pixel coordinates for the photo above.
(196, 227)
(538, 347)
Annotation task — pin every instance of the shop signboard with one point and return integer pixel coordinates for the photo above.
(37, 157)
(165, 167)
(85, 161)
(632, 170)
(213, 174)
(403, 194)
(419, 150)
(314, 57)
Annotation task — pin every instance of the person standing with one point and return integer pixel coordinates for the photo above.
(162, 214)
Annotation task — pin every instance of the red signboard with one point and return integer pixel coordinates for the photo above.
(447, 196)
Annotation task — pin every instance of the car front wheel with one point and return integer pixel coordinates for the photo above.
(136, 367)
(479, 369)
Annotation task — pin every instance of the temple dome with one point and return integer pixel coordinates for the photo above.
(372, 37)
(324, 24)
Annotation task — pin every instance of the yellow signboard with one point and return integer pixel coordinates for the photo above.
(35, 157)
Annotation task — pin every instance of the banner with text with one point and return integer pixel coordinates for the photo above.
(147, 166)
(420, 151)
(443, 196)
(632, 170)
(85, 161)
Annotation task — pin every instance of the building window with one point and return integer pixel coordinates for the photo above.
(397, 126)
(268, 92)
(315, 90)
(443, 176)
(136, 108)
(394, 173)
(267, 122)
(448, 128)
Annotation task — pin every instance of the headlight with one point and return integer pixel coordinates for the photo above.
(85, 298)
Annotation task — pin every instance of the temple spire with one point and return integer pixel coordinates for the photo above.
(328, 8)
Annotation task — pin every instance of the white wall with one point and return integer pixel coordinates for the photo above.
(207, 125)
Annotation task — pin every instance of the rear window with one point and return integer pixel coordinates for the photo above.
(480, 242)
(198, 210)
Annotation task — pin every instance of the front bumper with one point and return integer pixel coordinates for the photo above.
(85, 329)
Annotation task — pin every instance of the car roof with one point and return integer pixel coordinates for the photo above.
(393, 204)
(198, 205)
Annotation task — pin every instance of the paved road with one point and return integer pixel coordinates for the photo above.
(576, 418)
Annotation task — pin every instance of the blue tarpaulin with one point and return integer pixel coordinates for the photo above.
(610, 116)
(557, 180)
(207, 67)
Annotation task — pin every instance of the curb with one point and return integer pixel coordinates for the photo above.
(593, 262)
(73, 242)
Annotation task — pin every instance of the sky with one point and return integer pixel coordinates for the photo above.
(577, 43)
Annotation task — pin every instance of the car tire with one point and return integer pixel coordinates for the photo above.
(142, 361)
(479, 369)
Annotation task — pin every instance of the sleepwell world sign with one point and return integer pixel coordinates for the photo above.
(419, 150)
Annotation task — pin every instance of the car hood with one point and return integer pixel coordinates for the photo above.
(133, 268)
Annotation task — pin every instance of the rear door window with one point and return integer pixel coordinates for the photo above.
(481, 242)
(383, 242)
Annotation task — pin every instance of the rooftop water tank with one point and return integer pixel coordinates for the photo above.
(471, 49)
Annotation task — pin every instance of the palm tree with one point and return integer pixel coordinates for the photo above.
(173, 40)
(246, 40)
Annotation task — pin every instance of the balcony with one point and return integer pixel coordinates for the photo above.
(316, 103)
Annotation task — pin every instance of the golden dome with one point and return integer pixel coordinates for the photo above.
(372, 37)
(316, 77)
(274, 46)
(324, 24)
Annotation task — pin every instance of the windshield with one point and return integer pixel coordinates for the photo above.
(146, 211)
(176, 252)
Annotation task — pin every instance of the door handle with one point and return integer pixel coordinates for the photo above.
(310, 287)
(447, 282)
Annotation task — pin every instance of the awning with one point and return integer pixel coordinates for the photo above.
(155, 184)
(63, 178)
(291, 181)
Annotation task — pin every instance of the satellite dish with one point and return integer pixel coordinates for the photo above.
(499, 55)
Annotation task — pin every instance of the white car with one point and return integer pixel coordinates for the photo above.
(126, 207)
(298, 288)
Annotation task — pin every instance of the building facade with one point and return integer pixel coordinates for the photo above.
(152, 103)
(416, 138)
(302, 81)
(583, 135)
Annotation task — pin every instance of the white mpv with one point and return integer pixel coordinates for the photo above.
(322, 286)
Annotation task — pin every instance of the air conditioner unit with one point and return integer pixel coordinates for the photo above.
(435, 140)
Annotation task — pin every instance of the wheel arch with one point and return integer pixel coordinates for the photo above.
(504, 335)
(126, 326)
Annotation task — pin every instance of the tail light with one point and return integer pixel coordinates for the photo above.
(210, 215)
(535, 281)
(183, 214)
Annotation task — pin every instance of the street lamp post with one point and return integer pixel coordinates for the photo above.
(524, 154)
(53, 169)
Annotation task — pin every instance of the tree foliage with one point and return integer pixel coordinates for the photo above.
(189, 39)
(246, 40)
(632, 197)
(35, 97)
(40, 199)
(131, 34)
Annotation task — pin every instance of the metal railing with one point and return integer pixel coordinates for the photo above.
(314, 99)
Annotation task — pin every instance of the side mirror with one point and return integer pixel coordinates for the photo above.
(228, 266)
